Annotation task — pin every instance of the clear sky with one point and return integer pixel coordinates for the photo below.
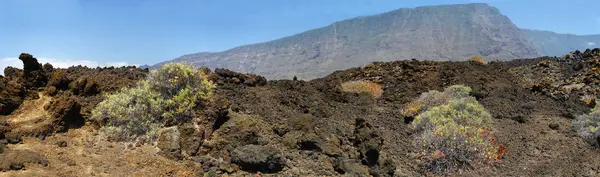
(116, 32)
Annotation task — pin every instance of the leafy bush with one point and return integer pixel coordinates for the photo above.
(465, 111)
(588, 126)
(456, 135)
(181, 86)
(478, 59)
(169, 94)
(458, 91)
(362, 86)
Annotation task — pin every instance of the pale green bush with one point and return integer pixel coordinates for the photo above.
(455, 135)
(130, 113)
(588, 126)
(458, 91)
(169, 95)
(465, 111)
(181, 86)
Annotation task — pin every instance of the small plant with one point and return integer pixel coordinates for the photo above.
(478, 59)
(588, 126)
(588, 99)
(362, 86)
(435, 98)
(456, 135)
(169, 95)
(458, 91)
(425, 101)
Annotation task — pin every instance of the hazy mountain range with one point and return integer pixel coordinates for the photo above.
(440, 33)
(554, 44)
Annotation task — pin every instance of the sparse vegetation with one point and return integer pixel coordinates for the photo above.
(588, 126)
(478, 59)
(362, 86)
(169, 94)
(455, 135)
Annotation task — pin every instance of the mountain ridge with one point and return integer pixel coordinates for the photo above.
(439, 33)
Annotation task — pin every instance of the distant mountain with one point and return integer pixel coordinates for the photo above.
(555, 44)
(440, 33)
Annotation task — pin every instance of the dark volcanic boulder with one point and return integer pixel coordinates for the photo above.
(12, 72)
(33, 72)
(169, 143)
(66, 112)
(257, 158)
(11, 95)
(229, 76)
(368, 141)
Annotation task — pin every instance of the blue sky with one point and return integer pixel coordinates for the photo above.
(118, 32)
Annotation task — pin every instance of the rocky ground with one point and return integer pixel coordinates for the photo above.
(255, 127)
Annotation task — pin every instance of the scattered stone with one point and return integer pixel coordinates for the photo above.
(349, 167)
(16, 159)
(16, 166)
(44, 163)
(554, 126)
(62, 143)
(258, 158)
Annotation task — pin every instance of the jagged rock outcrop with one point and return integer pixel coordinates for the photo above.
(33, 72)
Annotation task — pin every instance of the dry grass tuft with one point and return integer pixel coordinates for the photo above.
(363, 86)
(478, 59)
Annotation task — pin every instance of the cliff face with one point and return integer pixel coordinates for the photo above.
(439, 33)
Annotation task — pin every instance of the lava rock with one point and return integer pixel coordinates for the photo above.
(578, 66)
(258, 158)
(33, 72)
(191, 139)
(168, 143)
(62, 144)
(554, 126)
(48, 67)
(348, 167)
(66, 112)
(12, 72)
(368, 141)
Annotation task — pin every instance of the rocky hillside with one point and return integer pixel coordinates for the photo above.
(330, 126)
(438, 33)
(555, 44)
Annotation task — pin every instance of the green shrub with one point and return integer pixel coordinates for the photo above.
(130, 113)
(465, 111)
(588, 126)
(181, 86)
(455, 135)
(168, 95)
(458, 91)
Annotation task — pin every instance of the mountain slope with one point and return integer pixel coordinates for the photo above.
(440, 33)
(555, 44)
